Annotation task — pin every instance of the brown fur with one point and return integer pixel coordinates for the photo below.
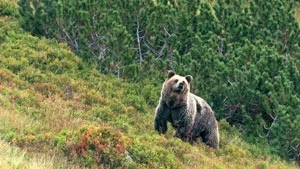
(189, 114)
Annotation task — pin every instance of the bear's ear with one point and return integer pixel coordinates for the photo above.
(170, 73)
(189, 78)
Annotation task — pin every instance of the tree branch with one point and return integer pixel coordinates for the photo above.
(139, 42)
(268, 129)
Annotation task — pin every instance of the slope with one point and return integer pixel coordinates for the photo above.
(52, 103)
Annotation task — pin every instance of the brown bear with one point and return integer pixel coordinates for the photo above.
(189, 114)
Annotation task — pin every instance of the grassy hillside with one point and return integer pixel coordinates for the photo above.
(62, 113)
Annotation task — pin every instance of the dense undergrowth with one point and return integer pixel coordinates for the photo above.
(52, 103)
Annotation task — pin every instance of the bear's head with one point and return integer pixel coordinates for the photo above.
(177, 83)
(175, 89)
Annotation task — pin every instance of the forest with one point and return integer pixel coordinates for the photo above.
(80, 80)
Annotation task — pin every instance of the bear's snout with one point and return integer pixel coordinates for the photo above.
(180, 85)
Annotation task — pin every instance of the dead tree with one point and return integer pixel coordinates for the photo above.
(159, 52)
(139, 38)
(294, 151)
(269, 129)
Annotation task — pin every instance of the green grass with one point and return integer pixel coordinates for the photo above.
(58, 112)
(13, 157)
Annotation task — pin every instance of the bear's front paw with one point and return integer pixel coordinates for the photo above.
(160, 127)
(180, 134)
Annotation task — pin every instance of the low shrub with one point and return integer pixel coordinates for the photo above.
(99, 146)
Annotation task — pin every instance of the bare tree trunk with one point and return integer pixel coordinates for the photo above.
(139, 42)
